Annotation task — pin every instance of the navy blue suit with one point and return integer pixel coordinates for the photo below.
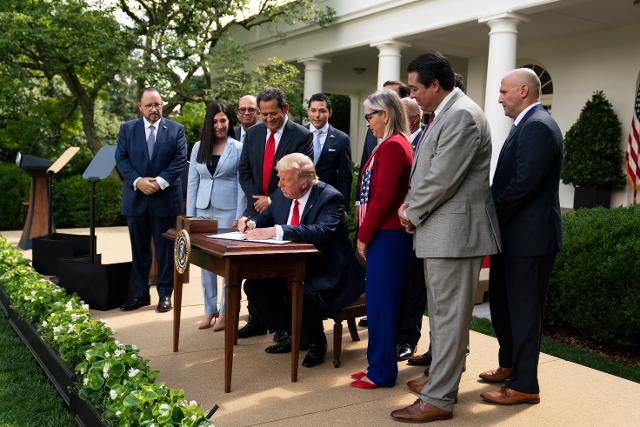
(334, 166)
(151, 215)
(238, 133)
(525, 193)
(333, 278)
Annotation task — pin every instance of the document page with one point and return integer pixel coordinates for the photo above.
(236, 235)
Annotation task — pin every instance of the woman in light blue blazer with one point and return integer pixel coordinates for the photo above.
(214, 191)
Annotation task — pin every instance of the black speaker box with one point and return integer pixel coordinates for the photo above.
(102, 286)
(47, 250)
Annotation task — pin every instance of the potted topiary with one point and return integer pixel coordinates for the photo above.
(593, 155)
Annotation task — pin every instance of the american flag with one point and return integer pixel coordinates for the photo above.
(365, 187)
(633, 146)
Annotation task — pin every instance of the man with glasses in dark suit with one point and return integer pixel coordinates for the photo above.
(150, 155)
(247, 113)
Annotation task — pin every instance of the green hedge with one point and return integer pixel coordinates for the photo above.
(595, 285)
(15, 190)
(72, 198)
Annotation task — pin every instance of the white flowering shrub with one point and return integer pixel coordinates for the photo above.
(110, 374)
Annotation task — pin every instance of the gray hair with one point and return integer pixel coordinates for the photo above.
(389, 101)
(301, 163)
(411, 107)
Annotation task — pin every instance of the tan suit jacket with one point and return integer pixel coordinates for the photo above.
(449, 198)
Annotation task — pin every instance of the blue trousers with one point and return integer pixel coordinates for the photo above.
(389, 257)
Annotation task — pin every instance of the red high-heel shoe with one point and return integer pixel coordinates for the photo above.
(363, 384)
(358, 375)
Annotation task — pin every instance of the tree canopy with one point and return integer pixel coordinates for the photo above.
(71, 64)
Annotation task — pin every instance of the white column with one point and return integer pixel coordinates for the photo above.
(388, 60)
(312, 76)
(503, 39)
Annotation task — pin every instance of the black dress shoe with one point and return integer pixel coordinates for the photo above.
(282, 346)
(421, 360)
(135, 303)
(280, 335)
(251, 329)
(405, 351)
(315, 356)
(363, 322)
(164, 305)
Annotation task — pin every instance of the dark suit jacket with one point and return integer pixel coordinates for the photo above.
(525, 187)
(169, 158)
(334, 166)
(416, 140)
(295, 139)
(238, 133)
(334, 277)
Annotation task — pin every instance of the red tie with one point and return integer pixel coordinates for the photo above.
(267, 164)
(295, 215)
(430, 119)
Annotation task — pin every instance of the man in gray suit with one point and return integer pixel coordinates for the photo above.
(450, 210)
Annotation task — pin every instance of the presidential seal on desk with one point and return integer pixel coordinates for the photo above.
(182, 250)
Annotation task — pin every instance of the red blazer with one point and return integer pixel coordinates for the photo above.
(389, 186)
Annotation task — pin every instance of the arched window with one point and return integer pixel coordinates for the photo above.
(546, 89)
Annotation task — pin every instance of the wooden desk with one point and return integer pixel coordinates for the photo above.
(236, 261)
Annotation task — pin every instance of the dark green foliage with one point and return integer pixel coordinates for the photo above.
(72, 196)
(191, 117)
(26, 397)
(592, 151)
(595, 285)
(341, 118)
(15, 190)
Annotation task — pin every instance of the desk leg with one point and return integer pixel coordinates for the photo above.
(177, 307)
(232, 308)
(296, 326)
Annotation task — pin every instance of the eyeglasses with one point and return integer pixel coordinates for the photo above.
(247, 110)
(367, 117)
(152, 106)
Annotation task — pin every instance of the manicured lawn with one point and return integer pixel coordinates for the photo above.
(27, 398)
(573, 354)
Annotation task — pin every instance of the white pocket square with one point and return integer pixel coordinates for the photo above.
(332, 149)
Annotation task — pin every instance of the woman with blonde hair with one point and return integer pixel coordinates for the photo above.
(382, 241)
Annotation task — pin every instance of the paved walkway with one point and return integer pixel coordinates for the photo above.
(572, 395)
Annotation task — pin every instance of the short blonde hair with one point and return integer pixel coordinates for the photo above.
(301, 163)
(389, 101)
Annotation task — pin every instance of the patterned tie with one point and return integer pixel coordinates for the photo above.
(267, 164)
(295, 215)
(151, 140)
(430, 120)
(317, 148)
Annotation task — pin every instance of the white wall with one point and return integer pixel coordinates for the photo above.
(581, 64)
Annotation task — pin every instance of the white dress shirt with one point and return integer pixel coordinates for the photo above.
(302, 202)
(523, 112)
(147, 130)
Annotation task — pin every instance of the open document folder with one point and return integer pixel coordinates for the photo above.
(236, 235)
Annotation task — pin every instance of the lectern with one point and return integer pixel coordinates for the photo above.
(36, 223)
(50, 246)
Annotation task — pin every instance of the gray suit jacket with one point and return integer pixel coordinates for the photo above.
(219, 196)
(449, 198)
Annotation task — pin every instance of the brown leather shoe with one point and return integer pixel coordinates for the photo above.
(508, 396)
(500, 375)
(421, 412)
(416, 384)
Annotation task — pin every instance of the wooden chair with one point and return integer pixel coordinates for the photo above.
(349, 313)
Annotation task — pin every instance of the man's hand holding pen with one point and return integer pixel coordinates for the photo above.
(245, 224)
